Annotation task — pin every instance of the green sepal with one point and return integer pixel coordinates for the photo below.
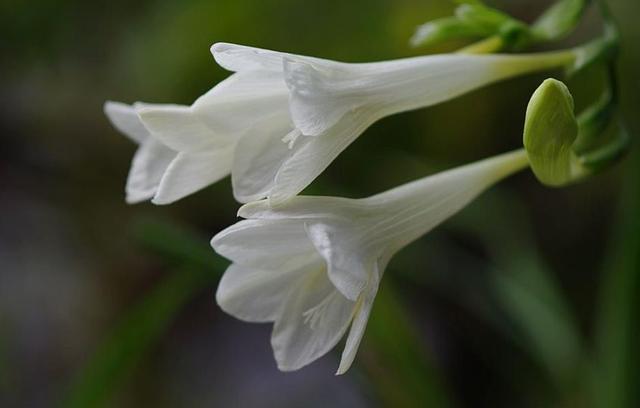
(558, 20)
(444, 29)
(601, 49)
(471, 20)
(592, 122)
(599, 158)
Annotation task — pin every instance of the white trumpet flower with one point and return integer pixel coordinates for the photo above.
(332, 103)
(191, 147)
(312, 265)
(150, 160)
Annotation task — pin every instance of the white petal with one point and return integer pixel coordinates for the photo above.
(266, 244)
(413, 209)
(306, 208)
(258, 157)
(190, 172)
(358, 326)
(126, 120)
(316, 101)
(241, 101)
(149, 164)
(349, 266)
(254, 295)
(314, 318)
(238, 58)
(313, 158)
(177, 127)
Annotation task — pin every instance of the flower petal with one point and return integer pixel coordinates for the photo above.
(252, 294)
(413, 209)
(313, 158)
(238, 58)
(315, 98)
(177, 127)
(241, 101)
(147, 167)
(348, 265)
(125, 119)
(190, 172)
(314, 318)
(266, 244)
(305, 208)
(258, 157)
(358, 326)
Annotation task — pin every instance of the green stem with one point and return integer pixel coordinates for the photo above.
(487, 46)
(535, 62)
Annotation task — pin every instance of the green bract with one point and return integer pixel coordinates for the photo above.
(473, 19)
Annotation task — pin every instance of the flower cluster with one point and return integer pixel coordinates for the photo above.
(313, 265)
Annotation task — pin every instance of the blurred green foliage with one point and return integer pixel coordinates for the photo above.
(131, 341)
(617, 370)
(508, 304)
(401, 370)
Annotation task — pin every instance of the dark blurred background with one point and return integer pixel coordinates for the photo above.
(529, 297)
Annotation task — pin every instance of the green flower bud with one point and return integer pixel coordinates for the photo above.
(549, 133)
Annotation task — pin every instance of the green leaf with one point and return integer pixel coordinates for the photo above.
(615, 383)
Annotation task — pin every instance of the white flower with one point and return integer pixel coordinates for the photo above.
(313, 265)
(335, 102)
(150, 160)
(194, 146)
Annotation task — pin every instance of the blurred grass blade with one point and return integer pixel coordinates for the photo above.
(117, 358)
(5, 379)
(177, 244)
(618, 360)
(395, 358)
(525, 288)
(534, 304)
(120, 354)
